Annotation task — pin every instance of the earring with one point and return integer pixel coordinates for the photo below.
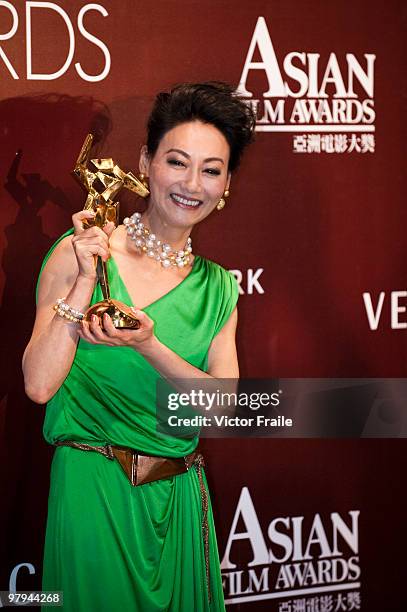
(222, 201)
(144, 181)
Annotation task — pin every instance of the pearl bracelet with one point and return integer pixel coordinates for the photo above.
(64, 310)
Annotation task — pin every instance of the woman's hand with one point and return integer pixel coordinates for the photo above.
(138, 339)
(88, 243)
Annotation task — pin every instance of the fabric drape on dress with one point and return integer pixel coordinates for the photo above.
(110, 545)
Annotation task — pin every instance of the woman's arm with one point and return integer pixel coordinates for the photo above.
(222, 356)
(51, 350)
(69, 273)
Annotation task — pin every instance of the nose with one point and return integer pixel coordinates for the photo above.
(192, 181)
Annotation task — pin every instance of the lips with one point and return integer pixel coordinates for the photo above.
(185, 202)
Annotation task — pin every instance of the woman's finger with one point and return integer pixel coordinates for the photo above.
(109, 328)
(94, 230)
(88, 249)
(81, 334)
(85, 333)
(93, 333)
(95, 328)
(108, 228)
(79, 217)
(93, 235)
(144, 319)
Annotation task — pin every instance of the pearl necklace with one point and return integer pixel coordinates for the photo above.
(147, 243)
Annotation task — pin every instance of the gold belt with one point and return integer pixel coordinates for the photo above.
(141, 469)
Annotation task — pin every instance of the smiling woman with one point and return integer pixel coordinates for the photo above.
(151, 546)
(188, 177)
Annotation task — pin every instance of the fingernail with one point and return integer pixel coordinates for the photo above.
(94, 318)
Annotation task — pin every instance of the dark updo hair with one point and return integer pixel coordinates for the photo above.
(211, 102)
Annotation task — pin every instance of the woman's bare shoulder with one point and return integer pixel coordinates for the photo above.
(61, 268)
(62, 257)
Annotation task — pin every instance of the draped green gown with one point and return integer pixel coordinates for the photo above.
(111, 546)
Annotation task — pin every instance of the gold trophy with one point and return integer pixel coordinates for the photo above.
(112, 179)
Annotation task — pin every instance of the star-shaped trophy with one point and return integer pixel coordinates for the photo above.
(111, 180)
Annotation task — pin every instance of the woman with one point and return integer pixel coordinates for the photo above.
(110, 545)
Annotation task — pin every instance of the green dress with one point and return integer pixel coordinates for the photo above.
(111, 546)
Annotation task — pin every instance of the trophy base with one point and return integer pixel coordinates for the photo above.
(122, 316)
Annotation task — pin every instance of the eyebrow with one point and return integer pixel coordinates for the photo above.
(208, 159)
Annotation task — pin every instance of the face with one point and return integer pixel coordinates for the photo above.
(188, 173)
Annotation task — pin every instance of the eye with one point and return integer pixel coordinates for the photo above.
(175, 162)
(213, 171)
